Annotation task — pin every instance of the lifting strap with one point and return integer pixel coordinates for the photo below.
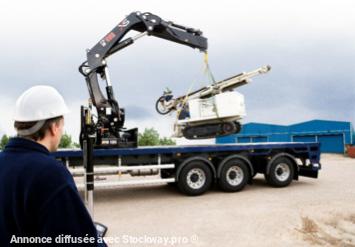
(207, 71)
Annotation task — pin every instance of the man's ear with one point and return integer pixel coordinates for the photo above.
(53, 129)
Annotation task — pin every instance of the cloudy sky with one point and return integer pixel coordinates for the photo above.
(309, 44)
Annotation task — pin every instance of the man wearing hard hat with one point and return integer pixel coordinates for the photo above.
(39, 202)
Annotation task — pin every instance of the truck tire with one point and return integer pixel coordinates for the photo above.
(280, 173)
(234, 176)
(195, 178)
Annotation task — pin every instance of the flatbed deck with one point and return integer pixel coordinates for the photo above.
(280, 162)
(297, 146)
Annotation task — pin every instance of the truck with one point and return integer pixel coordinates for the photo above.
(194, 169)
(107, 147)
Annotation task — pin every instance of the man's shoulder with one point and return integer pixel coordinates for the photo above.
(45, 170)
(45, 162)
(31, 163)
(53, 169)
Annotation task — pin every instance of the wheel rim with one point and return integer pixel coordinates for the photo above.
(161, 107)
(196, 178)
(282, 172)
(234, 175)
(228, 128)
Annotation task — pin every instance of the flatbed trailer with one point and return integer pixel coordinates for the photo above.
(194, 169)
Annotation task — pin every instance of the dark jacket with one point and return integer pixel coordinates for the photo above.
(38, 196)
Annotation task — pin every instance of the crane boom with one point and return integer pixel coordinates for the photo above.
(109, 128)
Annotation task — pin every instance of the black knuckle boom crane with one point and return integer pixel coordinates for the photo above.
(108, 128)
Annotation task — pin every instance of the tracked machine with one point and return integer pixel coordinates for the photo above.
(211, 111)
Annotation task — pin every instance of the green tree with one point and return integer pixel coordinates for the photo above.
(76, 145)
(150, 137)
(167, 142)
(4, 140)
(66, 141)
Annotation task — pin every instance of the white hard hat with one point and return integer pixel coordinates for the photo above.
(39, 103)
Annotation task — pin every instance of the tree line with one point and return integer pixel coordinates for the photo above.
(149, 137)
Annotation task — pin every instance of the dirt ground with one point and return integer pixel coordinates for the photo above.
(309, 212)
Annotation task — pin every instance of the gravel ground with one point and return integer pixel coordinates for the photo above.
(313, 212)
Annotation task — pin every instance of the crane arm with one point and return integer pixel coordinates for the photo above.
(110, 115)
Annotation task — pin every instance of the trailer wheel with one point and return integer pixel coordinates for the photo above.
(280, 173)
(234, 176)
(195, 178)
